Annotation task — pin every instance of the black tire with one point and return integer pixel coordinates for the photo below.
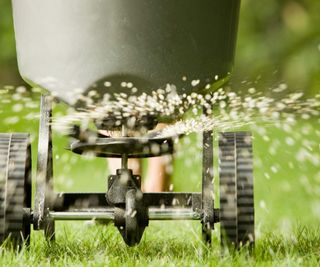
(236, 189)
(132, 236)
(15, 188)
(135, 217)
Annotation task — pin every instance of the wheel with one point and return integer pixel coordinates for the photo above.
(15, 188)
(133, 231)
(236, 189)
(136, 218)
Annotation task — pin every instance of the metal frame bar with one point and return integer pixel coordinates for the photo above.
(65, 201)
(50, 206)
(108, 214)
(207, 203)
(44, 183)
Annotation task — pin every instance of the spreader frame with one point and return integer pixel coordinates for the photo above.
(131, 209)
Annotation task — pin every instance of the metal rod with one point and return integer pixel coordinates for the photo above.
(173, 214)
(154, 214)
(124, 131)
(124, 158)
(124, 161)
(81, 215)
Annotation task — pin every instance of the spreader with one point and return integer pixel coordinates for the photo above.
(76, 47)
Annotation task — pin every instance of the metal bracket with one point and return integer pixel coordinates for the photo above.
(120, 184)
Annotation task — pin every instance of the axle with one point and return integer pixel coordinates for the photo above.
(108, 214)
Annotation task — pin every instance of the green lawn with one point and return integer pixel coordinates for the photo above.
(177, 244)
(287, 197)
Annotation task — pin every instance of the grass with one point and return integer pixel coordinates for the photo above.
(287, 199)
(79, 244)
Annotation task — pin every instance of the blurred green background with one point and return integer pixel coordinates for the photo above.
(278, 42)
